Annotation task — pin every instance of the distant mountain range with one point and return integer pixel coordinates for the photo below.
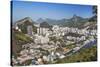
(73, 22)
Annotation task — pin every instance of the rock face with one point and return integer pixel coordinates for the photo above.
(27, 20)
(26, 25)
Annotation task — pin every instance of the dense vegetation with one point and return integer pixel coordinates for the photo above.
(94, 17)
(22, 38)
(84, 55)
(18, 39)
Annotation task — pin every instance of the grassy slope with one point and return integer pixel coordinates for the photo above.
(84, 55)
(18, 40)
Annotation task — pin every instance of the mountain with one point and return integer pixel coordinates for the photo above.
(76, 18)
(72, 22)
(48, 20)
(51, 21)
(40, 20)
(26, 20)
(24, 23)
(75, 21)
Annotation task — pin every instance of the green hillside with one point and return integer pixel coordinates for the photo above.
(84, 55)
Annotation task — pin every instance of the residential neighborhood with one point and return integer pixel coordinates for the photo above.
(52, 44)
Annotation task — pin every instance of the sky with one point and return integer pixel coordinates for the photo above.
(36, 10)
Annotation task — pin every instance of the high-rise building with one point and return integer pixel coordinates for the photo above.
(29, 30)
(43, 28)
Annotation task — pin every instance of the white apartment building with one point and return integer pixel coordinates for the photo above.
(41, 39)
(29, 30)
(42, 31)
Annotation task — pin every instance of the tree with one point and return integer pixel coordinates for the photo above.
(94, 11)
